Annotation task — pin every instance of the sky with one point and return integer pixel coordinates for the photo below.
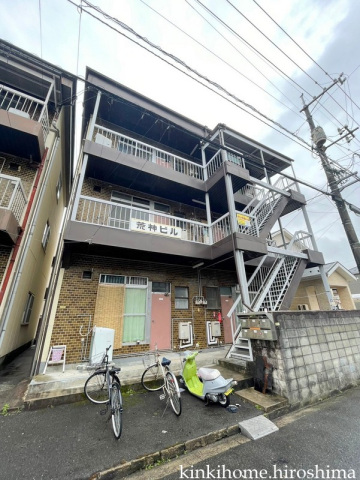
(244, 63)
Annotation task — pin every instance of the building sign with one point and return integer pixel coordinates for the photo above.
(144, 226)
(243, 220)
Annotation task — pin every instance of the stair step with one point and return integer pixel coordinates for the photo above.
(267, 402)
(243, 379)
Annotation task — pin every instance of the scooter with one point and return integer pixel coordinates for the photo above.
(206, 383)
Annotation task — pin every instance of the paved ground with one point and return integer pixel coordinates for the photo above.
(323, 438)
(74, 441)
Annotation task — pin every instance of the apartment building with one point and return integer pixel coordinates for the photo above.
(36, 162)
(169, 227)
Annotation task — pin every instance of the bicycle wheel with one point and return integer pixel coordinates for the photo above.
(116, 409)
(95, 387)
(173, 391)
(152, 379)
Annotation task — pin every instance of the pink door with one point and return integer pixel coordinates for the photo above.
(160, 333)
(226, 304)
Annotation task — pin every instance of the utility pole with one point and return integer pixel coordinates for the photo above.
(319, 138)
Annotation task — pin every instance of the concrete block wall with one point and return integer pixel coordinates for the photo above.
(316, 354)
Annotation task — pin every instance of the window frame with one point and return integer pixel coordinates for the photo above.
(181, 298)
(28, 309)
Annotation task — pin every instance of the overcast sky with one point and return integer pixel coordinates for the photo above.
(265, 54)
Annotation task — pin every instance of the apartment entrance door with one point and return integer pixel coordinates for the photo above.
(160, 333)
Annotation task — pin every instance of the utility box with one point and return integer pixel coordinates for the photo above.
(101, 339)
(184, 331)
(258, 326)
(215, 329)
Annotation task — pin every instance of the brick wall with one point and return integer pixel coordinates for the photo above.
(316, 354)
(78, 299)
(24, 171)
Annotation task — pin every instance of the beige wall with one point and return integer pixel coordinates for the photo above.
(312, 293)
(32, 268)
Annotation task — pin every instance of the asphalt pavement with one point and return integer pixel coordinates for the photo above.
(75, 441)
(318, 442)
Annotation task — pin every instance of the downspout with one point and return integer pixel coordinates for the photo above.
(20, 236)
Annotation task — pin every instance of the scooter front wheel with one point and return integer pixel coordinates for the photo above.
(224, 400)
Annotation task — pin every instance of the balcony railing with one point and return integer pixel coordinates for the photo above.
(110, 214)
(12, 195)
(25, 106)
(142, 150)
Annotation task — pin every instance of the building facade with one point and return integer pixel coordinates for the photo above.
(36, 161)
(169, 230)
(311, 294)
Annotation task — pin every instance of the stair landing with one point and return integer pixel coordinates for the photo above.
(267, 402)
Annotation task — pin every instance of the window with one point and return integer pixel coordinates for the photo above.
(87, 275)
(160, 287)
(226, 291)
(212, 295)
(46, 235)
(161, 207)
(112, 279)
(28, 309)
(181, 298)
(97, 188)
(58, 187)
(304, 306)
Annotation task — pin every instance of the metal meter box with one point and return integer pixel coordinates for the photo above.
(184, 331)
(215, 329)
(258, 326)
(101, 339)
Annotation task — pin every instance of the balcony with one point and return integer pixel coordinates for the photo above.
(12, 205)
(24, 124)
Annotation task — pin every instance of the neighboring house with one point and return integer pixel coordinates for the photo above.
(311, 294)
(168, 224)
(354, 286)
(36, 163)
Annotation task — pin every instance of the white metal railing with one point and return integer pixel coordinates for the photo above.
(25, 106)
(12, 195)
(165, 159)
(300, 241)
(123, 217)
(221, 228)
(216, 161)
(147, 152)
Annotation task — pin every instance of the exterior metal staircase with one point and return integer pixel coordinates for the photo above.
(263, 205)
(268, 287)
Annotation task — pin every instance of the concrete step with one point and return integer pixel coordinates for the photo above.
(243, 379)
(268, 402)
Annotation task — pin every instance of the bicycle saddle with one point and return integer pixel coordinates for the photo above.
(165, 362)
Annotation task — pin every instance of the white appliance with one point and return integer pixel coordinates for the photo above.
(101, 339)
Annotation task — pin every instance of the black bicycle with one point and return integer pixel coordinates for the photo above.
(103, 387)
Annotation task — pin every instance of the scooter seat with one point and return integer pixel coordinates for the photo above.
(208, 373)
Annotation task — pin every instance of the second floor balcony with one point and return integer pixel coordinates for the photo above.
(104, 222)
(12, 206)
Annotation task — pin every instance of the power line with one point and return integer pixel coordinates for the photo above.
(327, 74)
(177, 60)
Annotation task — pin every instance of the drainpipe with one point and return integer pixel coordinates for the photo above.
(20, 236)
